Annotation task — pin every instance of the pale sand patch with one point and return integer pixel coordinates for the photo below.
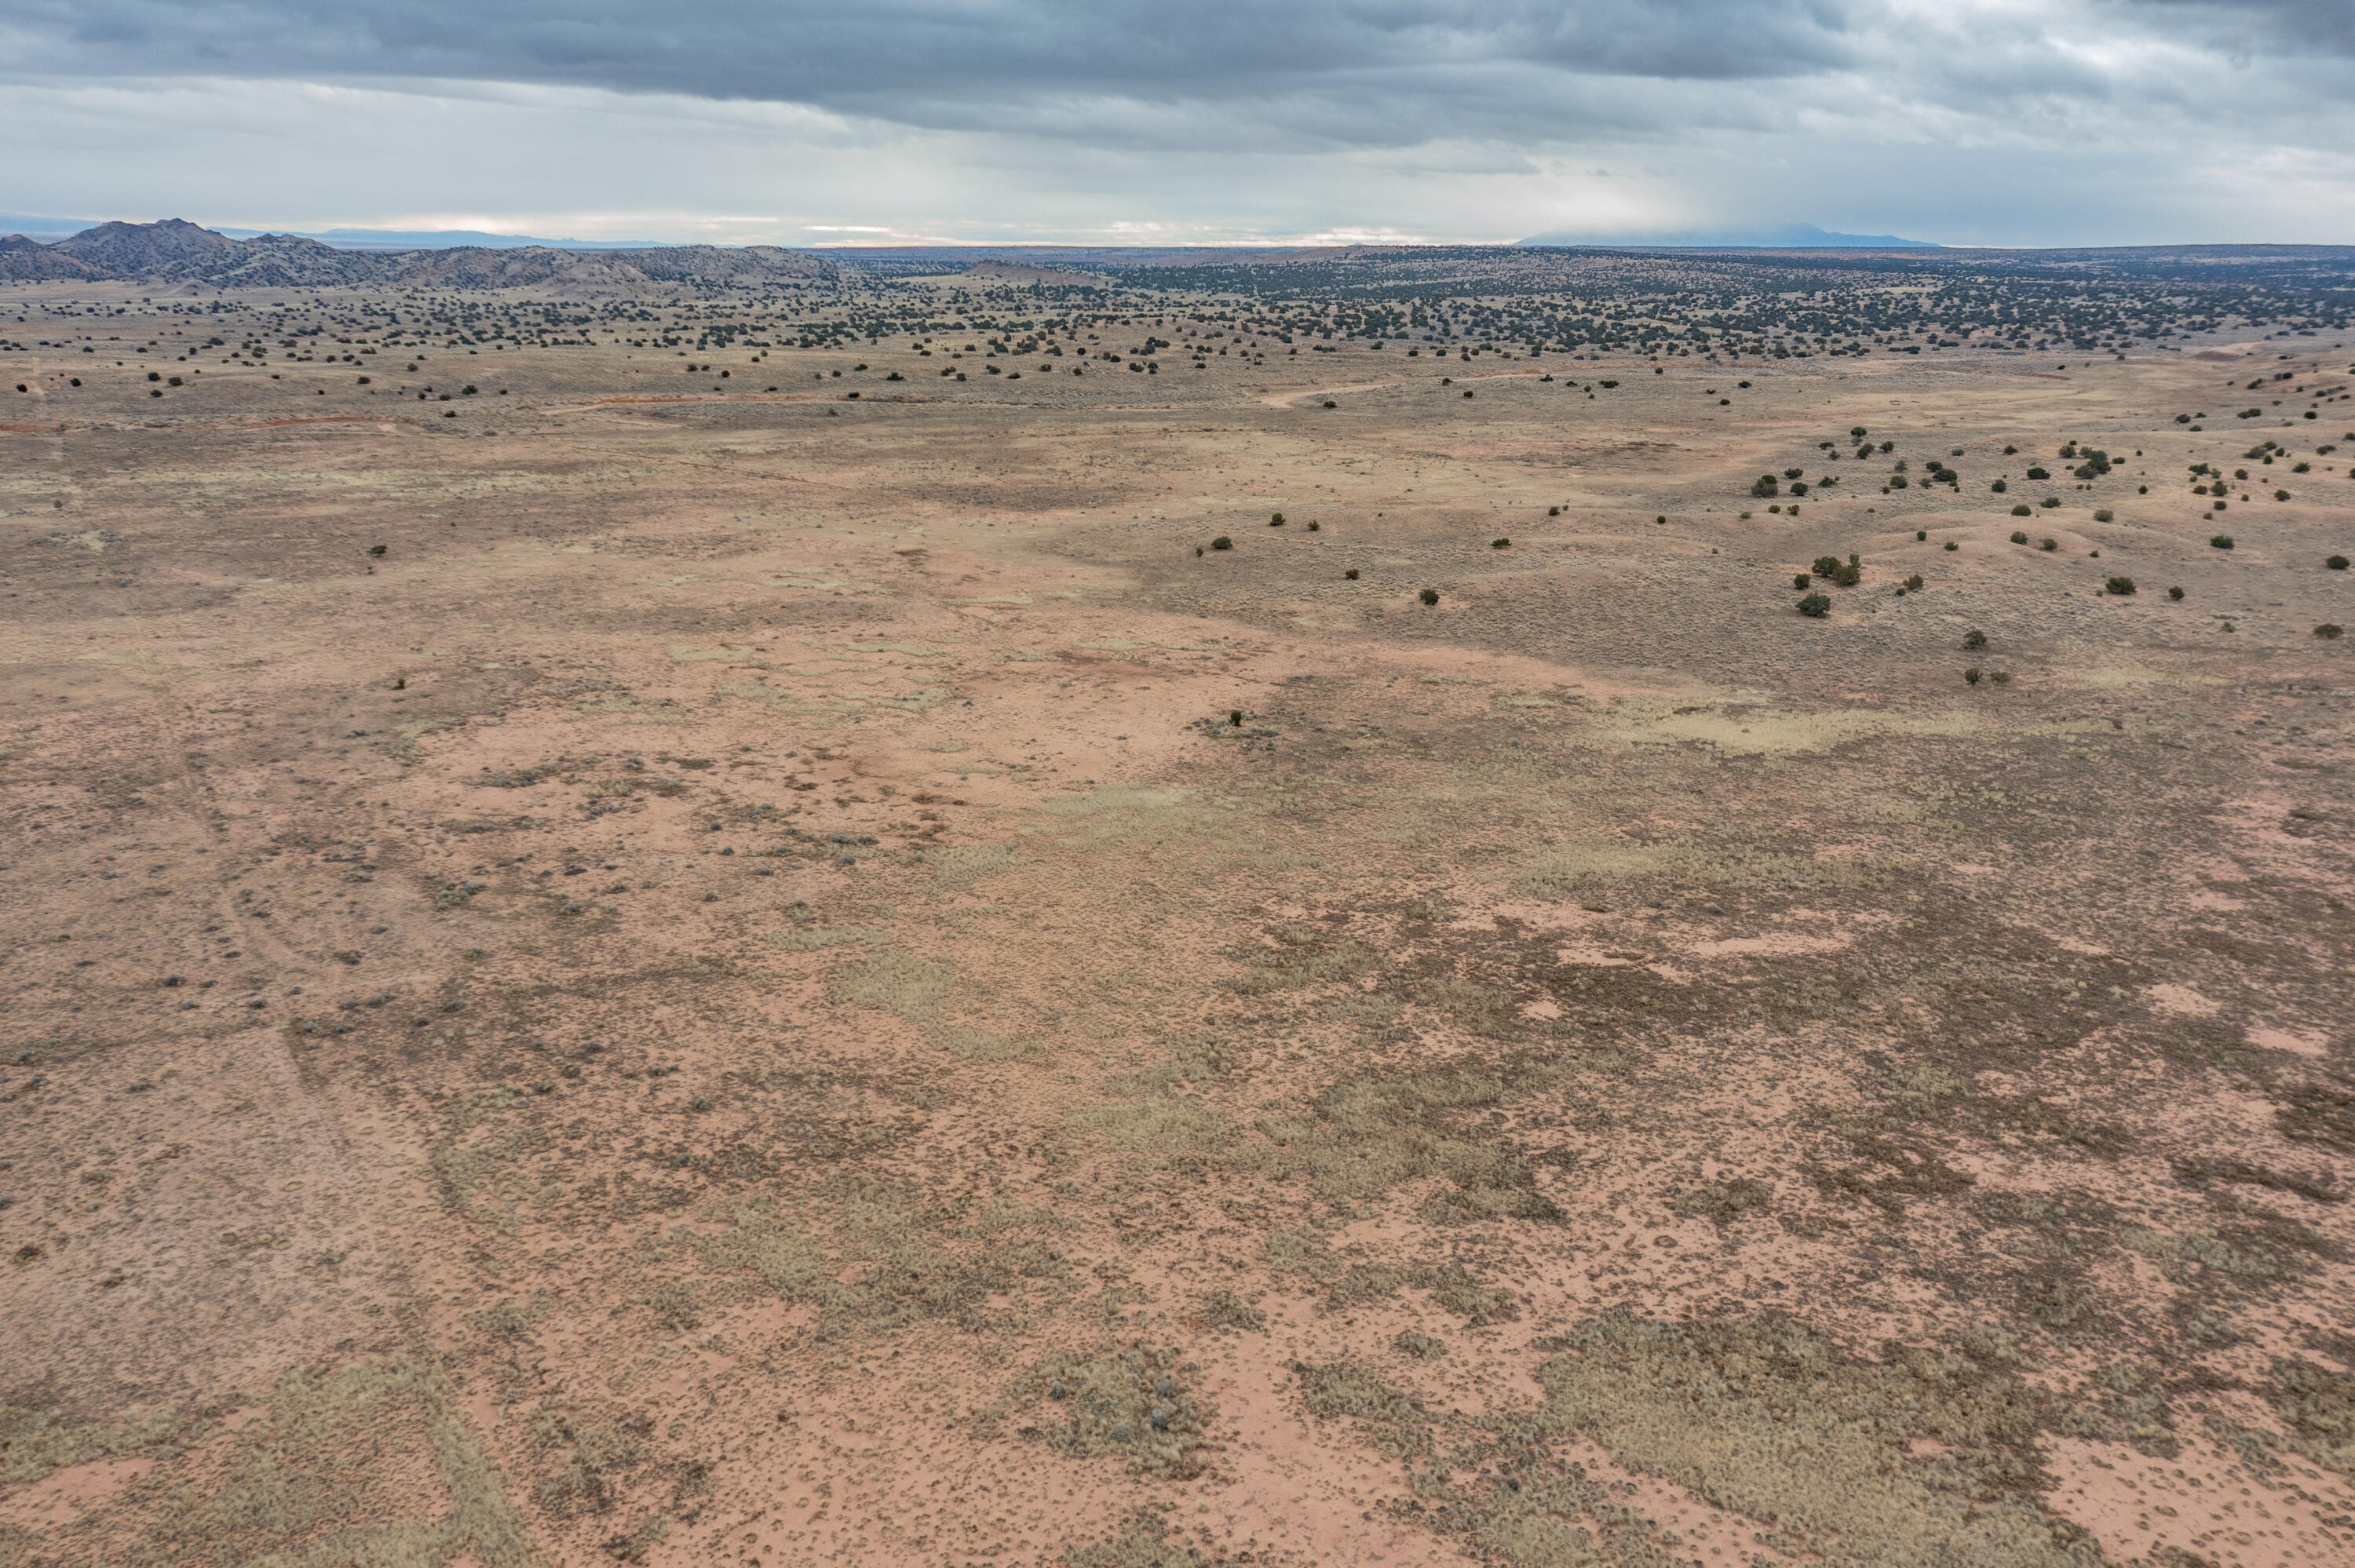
(1760, 733)
(2168, 997)
(2300, 1041)
(60, 1496)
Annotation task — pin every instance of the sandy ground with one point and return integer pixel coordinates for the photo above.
(788, 979)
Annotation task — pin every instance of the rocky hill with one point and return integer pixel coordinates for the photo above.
(177, 251)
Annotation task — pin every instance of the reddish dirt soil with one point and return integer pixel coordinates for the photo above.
(788, 980)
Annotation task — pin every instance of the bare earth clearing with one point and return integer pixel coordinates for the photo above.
(783, 978)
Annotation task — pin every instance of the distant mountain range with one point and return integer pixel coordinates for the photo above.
(175, 251)
(1790, 236)
(347, 238)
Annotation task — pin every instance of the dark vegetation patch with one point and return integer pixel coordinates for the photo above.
(1450, 1287)
(1135, 1404)
(918, 1268)
(2322, 1113)
(2318, 1405)
(1887, 1173)
(1767, 1417)
(1369, 1134)
(1146, 1542)
(1224, 1310)
(2201, 1172)
(1722, 1202)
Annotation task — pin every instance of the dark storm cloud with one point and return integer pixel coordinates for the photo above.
(925, 60)
(2273, 25)
(1981, 120)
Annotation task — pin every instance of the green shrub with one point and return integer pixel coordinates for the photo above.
(1952, 546)
(2019, 511)
(1222, 543)
(2329, 630)
(1554, 511)
(1815, 605)
(1277, 520)
(2018, 536)
(1913, 583)
(2050, 544)
(1974, 638)
(1801, 579)
(1500, 544)
(2220, 542)
(1921, 536)
(2119, 585)
(1998, 487)
(2037, 473)
(1827, 565)
(2335, 563)
(1849, 576)
(2050, 501)
(1429, 596)
(2000, 677)
(2104, 515)
(1351, 574)
(2174, 593)
(1315, 526)
(1971, 676)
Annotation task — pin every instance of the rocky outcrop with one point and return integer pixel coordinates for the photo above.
(177, 251)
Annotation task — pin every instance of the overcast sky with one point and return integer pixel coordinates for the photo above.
(1190, 121)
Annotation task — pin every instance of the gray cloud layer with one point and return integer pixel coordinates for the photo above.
(1719, 103)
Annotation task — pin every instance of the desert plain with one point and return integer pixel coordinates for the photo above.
(728, 924)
